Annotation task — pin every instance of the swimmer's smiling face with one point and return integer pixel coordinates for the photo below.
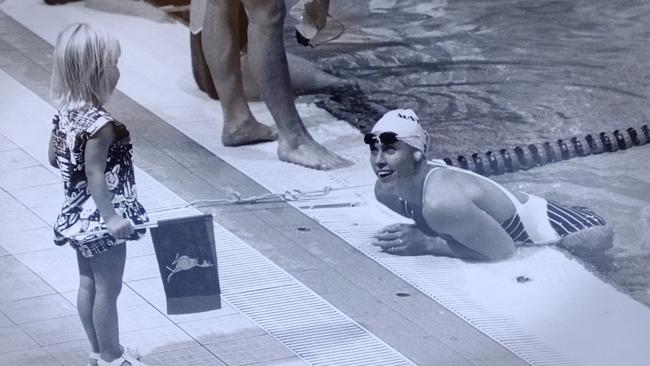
(392, 161)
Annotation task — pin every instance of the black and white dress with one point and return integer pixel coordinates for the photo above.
(79, 222)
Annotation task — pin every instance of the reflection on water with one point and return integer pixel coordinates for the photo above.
(492, 74)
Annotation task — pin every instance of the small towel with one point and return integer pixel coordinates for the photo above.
(187, 259)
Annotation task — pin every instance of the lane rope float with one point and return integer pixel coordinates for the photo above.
(509, 160)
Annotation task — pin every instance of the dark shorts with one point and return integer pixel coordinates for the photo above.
(92, 245)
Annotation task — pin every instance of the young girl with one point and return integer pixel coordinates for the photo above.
(93, 152)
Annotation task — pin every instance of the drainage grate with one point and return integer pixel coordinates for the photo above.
(439, 278)
(294, 315)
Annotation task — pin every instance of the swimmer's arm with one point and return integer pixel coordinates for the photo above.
(436, 245)
(408, 239)
(477, 235)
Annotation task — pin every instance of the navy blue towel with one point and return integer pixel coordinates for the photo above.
(187, 260)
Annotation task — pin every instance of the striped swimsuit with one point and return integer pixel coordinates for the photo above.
(537, 221)
(546, 221)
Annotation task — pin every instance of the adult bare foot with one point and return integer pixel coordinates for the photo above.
(310, 154)
(251, 132)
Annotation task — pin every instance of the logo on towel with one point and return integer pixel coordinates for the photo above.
(185, 263)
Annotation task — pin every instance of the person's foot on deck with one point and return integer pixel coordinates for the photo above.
(310, 154)
(249, 132)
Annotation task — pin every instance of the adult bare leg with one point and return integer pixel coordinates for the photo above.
(108, 269)
(306, 78)
(221, 48)
(268, 62)
(86, 301)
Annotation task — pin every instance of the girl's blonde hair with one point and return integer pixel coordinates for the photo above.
(81, 73)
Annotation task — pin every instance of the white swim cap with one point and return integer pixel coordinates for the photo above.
(406, 125)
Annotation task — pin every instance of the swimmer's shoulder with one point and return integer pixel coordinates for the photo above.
(449, 184)
(446, 192)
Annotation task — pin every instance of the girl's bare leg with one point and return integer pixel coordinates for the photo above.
(108, 269)
(86, 300)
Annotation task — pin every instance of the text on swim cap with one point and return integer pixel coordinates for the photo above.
(404, 116)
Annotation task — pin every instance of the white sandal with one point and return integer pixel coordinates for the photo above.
(134, 361)
(93, 356)
(120, 360)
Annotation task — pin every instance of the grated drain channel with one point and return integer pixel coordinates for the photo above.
(438, 282)
(278, 303)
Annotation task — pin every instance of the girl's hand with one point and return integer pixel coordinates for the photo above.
(119, 228)
(404, 239)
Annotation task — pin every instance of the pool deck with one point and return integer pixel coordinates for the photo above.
(38, 321)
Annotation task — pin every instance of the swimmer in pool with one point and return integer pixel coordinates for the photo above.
(458, 213)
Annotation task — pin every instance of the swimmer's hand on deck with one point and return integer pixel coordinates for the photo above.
(405, 239)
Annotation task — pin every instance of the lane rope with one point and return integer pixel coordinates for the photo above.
(509, 160)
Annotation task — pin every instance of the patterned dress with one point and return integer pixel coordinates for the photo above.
(79, 222)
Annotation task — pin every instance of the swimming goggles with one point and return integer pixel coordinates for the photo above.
(385, 138)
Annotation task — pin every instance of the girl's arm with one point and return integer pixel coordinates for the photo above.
(95, 156)
(51, 154)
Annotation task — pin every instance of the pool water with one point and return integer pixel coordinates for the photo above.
(496, 74)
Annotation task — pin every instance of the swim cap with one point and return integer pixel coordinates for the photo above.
(406, 125)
